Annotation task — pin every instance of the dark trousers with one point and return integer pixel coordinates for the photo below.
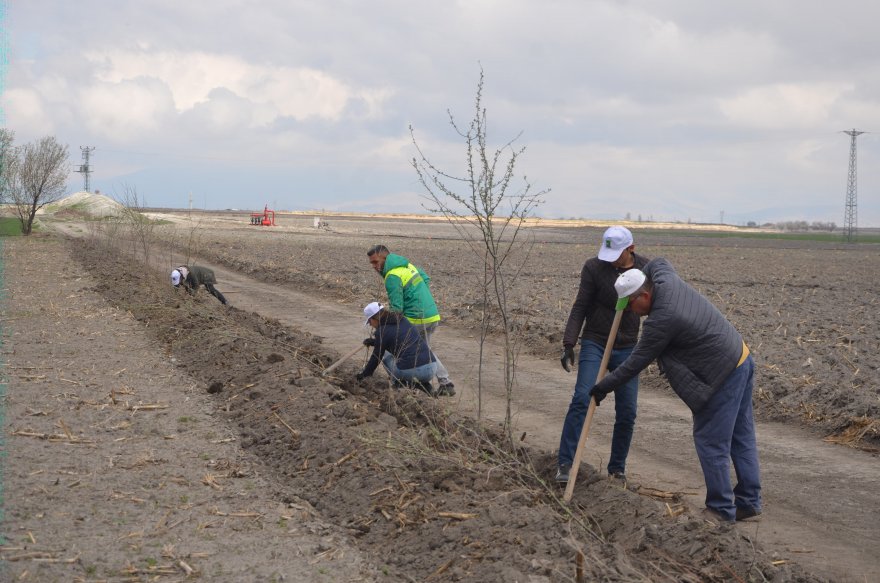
(215, 292)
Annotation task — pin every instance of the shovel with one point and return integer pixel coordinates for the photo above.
(603, 368)
(341, 360)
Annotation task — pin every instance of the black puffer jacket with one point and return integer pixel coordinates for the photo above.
(396, 335)
(593, 310)
(695, 345)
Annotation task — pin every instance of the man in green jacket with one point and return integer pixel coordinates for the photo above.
(195, 276)
(409, 294)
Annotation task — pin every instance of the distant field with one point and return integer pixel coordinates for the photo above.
(658, 229)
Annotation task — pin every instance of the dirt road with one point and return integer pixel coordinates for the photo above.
(821, 505)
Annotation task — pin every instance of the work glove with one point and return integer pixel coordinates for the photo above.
(360, 376)
(369, 341)
(599, 393)
(567, 359)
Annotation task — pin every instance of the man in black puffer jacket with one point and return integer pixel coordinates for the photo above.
(708, 365)
(398, 347)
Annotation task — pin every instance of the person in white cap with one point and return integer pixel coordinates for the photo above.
(590, 320)
(708, 365)
(397, 345)
(193, 277)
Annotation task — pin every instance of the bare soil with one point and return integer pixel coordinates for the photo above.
(365, 469)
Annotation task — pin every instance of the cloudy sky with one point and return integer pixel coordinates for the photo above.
(663, 109)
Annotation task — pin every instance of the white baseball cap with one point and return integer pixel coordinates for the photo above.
(614, 241)
(371, 310)
(175, 278)
(629, 282)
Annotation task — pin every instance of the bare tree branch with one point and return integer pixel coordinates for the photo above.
(37, 175)
(489, 218)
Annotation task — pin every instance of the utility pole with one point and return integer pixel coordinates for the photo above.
(85, 169)
(850, 215)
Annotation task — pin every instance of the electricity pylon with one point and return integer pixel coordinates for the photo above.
(85, 169)
(850, 216)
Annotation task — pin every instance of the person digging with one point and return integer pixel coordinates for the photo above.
(409, 294)
(397, 345)
(193, 277)
(708, 365)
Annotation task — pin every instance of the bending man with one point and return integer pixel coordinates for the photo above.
(195, 276)
(709, 367)
(396, 344)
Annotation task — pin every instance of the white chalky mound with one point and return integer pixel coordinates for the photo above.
(94, 204)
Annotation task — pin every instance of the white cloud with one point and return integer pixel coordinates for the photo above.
(276, 90)
(26, 113)
(124, 110)
(783, 105)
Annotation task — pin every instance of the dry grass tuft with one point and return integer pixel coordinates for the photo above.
(854, 434)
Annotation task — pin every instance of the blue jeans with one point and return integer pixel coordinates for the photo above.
(724, 430)
(625, 402)
(426, 331)
(422, 373)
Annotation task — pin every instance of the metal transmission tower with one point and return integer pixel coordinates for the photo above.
(850, 216)
(85, 169)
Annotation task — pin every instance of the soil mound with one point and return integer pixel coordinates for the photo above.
(96, 205)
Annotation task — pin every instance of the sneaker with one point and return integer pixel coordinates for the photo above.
(747, 513)
(562, 473)
(446, 389)
(617, 476)
(715, 517)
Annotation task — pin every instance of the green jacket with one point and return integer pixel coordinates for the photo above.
(408, 290)
(199, 275)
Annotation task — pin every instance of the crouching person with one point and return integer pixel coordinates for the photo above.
(195, 276)
(396, 344)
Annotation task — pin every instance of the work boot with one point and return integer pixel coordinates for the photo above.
(617, 476)
(424, 386)
(562, 473)
(714, 517)
(446, 389)
(747, 513)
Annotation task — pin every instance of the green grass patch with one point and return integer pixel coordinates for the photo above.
(9, 227)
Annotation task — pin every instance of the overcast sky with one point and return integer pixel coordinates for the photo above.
(670, 110)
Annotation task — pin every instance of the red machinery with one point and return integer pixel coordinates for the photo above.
(265, 218)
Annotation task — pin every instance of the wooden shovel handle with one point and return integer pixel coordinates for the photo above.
(603, 368)
(341, 360)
